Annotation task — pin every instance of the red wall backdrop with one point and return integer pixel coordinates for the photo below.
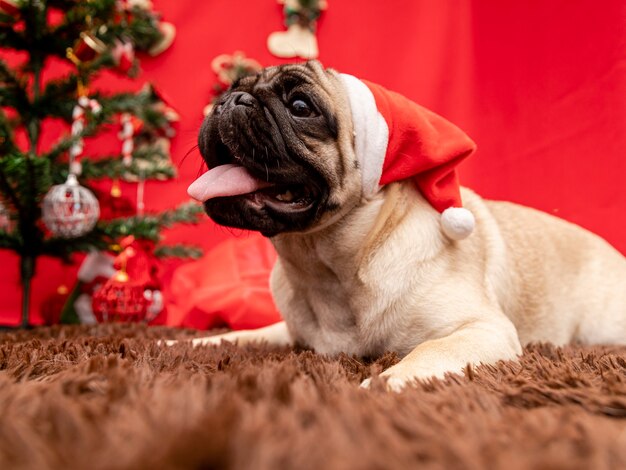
(540, 86)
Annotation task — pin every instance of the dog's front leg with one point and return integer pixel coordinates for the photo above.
(276, 334)
(475, 342)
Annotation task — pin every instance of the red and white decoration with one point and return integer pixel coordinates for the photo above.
(396, 139)
(134, 292)
(123, 54)
(95, 270)
(70, 210)
(130, 126)
(78, 126)
(87, 48)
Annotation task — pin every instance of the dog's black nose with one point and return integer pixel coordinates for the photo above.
(241, 98)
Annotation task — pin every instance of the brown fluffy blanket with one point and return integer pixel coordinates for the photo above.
(109, 397)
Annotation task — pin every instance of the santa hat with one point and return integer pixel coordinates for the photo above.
(396, 139)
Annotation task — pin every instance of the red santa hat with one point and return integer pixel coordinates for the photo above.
(396, 139)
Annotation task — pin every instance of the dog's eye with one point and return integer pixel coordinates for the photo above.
(300, 108)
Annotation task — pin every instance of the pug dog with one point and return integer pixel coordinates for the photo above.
(379, 249)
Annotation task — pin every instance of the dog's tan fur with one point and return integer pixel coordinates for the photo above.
(381, 276)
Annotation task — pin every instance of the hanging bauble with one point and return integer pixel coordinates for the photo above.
(133, 293)
(120, 299)
(70, 210)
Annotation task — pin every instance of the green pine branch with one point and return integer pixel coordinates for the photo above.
(12, 90)
(9, 241)
(7, 128)
(142, 27)
(109, 232)
(24, 179)
(26, 102)
(149, 226)
(59, 98)
(147, 164)
(60, 149)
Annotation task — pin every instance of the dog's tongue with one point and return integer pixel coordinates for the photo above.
(224, 180)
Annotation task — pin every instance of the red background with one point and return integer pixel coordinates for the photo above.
(540, 86)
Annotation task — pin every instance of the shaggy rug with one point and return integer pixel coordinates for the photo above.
(109, 397)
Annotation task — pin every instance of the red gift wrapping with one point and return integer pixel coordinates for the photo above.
(227, 287)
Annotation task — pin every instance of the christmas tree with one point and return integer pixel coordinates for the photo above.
(47, 207)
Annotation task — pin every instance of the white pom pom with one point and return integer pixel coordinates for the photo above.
(457, 223)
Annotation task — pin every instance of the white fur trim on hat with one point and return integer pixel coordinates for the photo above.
(371, 133)
(457, 223)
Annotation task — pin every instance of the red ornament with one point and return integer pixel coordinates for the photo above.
(9, 7)
(138, 258)
(134, 293)
(120, 299)
(123, 54)
(113, 204)
(88, 47)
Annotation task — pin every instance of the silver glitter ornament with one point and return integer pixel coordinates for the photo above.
(70, 210)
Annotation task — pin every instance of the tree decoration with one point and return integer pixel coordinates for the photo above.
(127, 5)
(70, 210)
(120, 299)
(130, 126)
(123, 54)
(10, 7)
(230, 68)
(133, 293)
(78, 125)
(168, 33)
(94, 271)
(163, 105)
(94, 35)
(86, 48)
(301, 21)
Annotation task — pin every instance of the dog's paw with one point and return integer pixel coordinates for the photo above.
(366, 383)
(397, 384)
(207, 341)
(392, 384)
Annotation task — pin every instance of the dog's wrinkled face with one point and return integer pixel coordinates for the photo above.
(290, 129)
